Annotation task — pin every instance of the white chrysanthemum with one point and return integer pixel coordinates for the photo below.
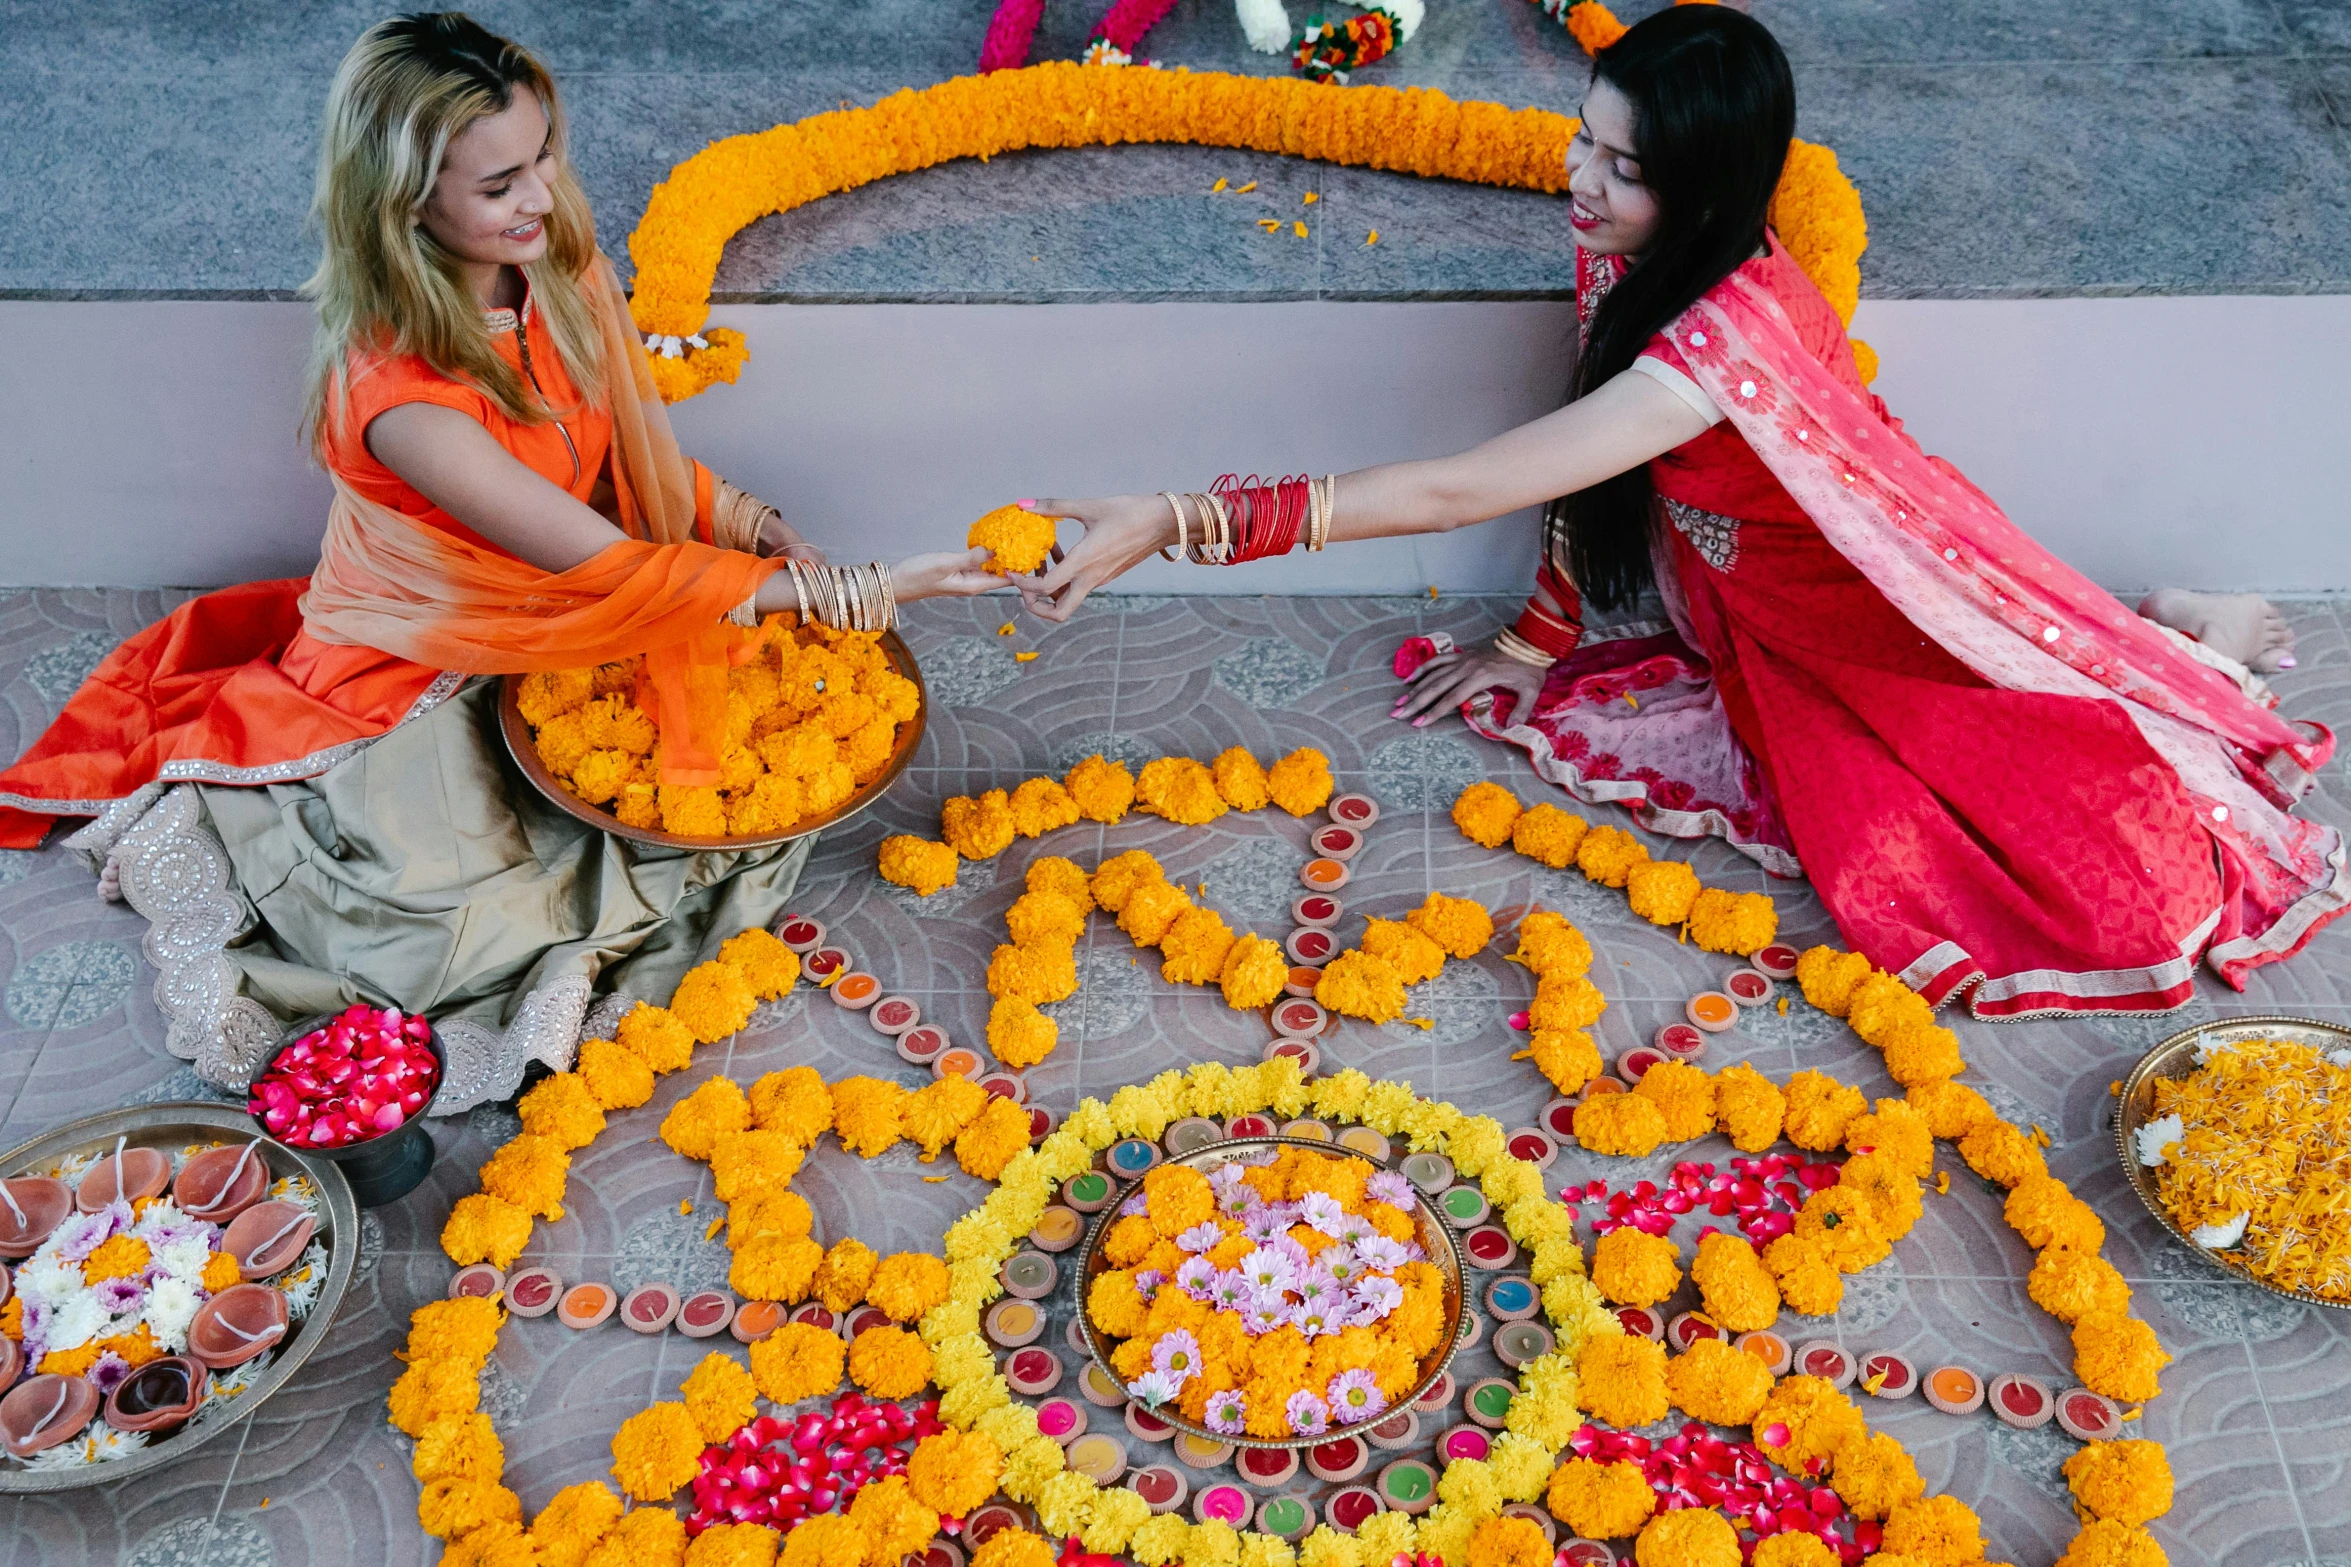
(301, 1283)
(183, 1258)
(171, 1306)
(2156, 1136)
(161, 1218)
(76, 1320)
(105, 1445)
(48, 1282)
(2220, 1237)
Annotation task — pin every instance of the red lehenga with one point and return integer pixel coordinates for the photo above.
(2001, 782)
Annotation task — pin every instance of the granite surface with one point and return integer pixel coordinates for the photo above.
(2012, 147)
(2252, 1405)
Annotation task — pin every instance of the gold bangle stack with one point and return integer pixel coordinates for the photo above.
(1183, 528)
(1321, 502)
(848, 598)
(1519, 650)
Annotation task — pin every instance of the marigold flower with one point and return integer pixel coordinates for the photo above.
(848, 1267)
(1552, 947)
(1038, 975)
(1052, 873)
(1569, 1059)
(1634, 1268)
(1151, 911)
(644, 1537)
(552, 693)
(696, 1123)
(655, 1451)
(794, 1102)
(658, 1037)
(1828, 977)
(221, 1271)
(1601, 1501)
(934, 1113)
(1300, 783)
(463, 1330)
(720, 1396)
(1195, 948)
(1820, 1109)
(905, 1285)
(1460, 925)
(452, 1507)
(1509, 1542)
(889, 1362)
(529, 1172)
(1113, 1517)
(1840, 1220)
(1013, 1548)
(1717, 1383)
(1662, 891)
(774, 1267)
(1486, 813)
(118, 1256)
(1875, 1474)
(977, 829)
(484, 1228)
(1952, 1110)
(1748, 1108)
(1808, 1276)
(926, 867)
(896, 1525)
(769, 967)
(1357, 984)
(1254, 973)
(2109, 1542)
(1941, 1531)
(2117, 1355)
(998, 1135)
(561, 1109)
(1019, 1035)
(826, 1540)
(616, 1077)
(1820, 1422)
(1620, 1377)
(733, 1545)
(1239, 779)
(1017, 541)
(952, 1472)
(1608, 854)
(1793, 1547)
(1684, 1095)
(432, 1390)
(695, 812)
(1045, 919)
(1692, 1537)
(1414, 956)
(1565, 1001)
(1735, 1287)
(1118, 878)
(2070, 1284)
(1882, 1006)
(1102, 789)
(2000, 1153)
(462, 1446)
(798, 1360)
(1179, 789)
(1896, 1200)
(1738, 923)
(1547, 835)
(2045, 1213)
(1922, 1053)
(1625, 1124)
(1896, 1131)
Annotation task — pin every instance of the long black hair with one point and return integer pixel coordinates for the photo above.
(1714, 108)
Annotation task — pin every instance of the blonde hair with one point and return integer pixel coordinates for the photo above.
(407, 89)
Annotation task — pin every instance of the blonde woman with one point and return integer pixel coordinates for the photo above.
(508, 498)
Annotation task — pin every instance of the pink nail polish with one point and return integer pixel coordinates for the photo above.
(1026, 500)
(2289, 662)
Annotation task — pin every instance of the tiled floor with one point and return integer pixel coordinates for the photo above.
(2252, 1409)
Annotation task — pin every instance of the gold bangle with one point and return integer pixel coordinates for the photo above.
(1183, 527)
(1330, 505)
(889, 596)
(1216, 547)
(867, 607)
(799, 588)
(1313, 516)
(1519, 650)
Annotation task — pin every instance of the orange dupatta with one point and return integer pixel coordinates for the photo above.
(423, 594)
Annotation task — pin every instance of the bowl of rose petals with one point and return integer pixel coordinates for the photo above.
(353, 1086)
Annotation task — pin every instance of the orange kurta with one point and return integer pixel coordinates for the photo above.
(229, 688)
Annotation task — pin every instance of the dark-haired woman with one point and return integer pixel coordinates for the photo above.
(2002, 783)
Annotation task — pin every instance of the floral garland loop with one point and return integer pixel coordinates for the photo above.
(731, 184)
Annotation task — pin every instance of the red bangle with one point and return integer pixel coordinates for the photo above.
(1555, 634)
(1267, 515)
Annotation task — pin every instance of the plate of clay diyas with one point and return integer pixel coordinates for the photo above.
(163, 1271)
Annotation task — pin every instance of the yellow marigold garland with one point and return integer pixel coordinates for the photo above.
(730, 184)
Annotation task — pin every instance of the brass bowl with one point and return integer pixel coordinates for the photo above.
(2176, 1057)
(171, 1127)
(1436, 1239)
(517, 730)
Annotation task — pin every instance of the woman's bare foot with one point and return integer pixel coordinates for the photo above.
(110, 881)
(2245, 626)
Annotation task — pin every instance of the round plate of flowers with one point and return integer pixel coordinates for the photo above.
(1269, 1291)
(163, 1271)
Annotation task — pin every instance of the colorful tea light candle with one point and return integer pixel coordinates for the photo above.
(532, 1292)
(1012, 1323)
(755, 1320)
(1827, 1361)
(2087, 1416)
(1323, 874)
(1266, 1467)
(1642, 1321)
(1001, 1084)
(1302, 981)
(1408, 1486)
(816, 1315)
(863, 1319)
(1099, 1456)
(1311, 945)
(1954, 1390)
(1316, 908)
(1356, 810)
(1431, 1172)
(1599, 1086)
(1586, 1553)
(480, 1281)
(957, 1061)
(1558, 1118)
(1030, 1275)
(1473, 1328)
(1748, 987)
(1131, 1157)
(1396, 1431)
(1436, 1395)
(1099, 1388)
(1464, 1205)
(985, 1523)
(1513, 1300)
(1225, 1504)
(649, 1308)
(1286, 1517)
(1488, 1402)
(1299, 1018)
(1192, 1132)
(361, 1074)
(1680, 1041)
(922, 1043)
(1885, 1374)
(1305, 1052)
(1061, 1420)
(1490, 1247)
(1338, 1461)
(1349, 1509)
(1040, 1123)
(1370, 1144)
(585, 1306)
(802, 934)
(1778, 960)
(1075, 1335)
(1689, 1327)
(1532, 1144)
(1635, 1063)
(940, 1553)
(894, 1015)
(1146, 1426)
(1336, 842)
(1464, 1442)
(1200, 1452)
(1536, 1516)
(1769, 1348)
(706, 1313)
(1088, 1191)
(1711, 1010)
(1516, 1343)
(1249, 1126)
(825, 962)
(1310, 1130)
(1164, 1489)
(2020, 1401)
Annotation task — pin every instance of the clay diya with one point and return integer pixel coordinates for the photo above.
(125, 1175)
(220, 1183)
(267, 1237)
(30, 1207)
(11, 1360)
(45, 1411)
(237, 1324)
(159, 1396)
(533, 1292)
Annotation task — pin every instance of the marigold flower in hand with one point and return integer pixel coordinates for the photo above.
(1600, 1501)
(1634, 1268)
(918, 863)
(1486, 813)
(1300, 783)
(1017, 540)
(1547, 835)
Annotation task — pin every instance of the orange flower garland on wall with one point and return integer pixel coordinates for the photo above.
(732, 183)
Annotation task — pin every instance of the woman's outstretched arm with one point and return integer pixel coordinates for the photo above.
(452, 461)
(1622, 425)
